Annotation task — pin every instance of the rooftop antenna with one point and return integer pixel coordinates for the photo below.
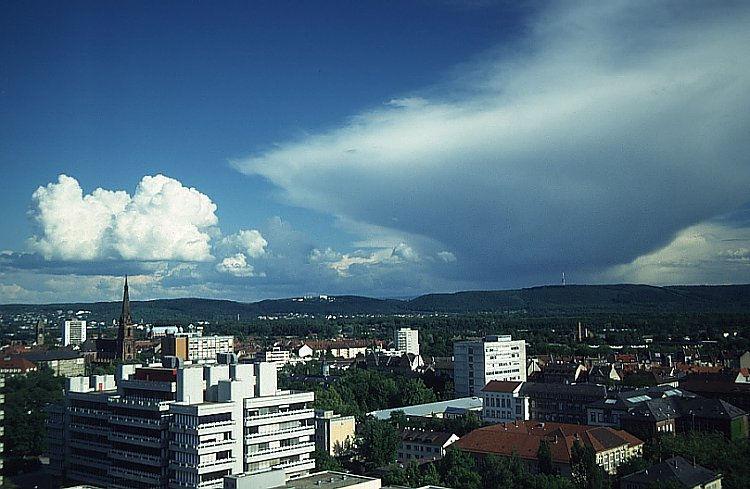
(563, 279)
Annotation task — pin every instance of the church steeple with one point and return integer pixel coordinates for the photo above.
(125, 337)
(125, 315)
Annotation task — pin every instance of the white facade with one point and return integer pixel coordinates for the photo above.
(180, 427)
(74, 332)
(275, 355)
(407, 340)
(207, 347)
(475, 363)
(502, 402)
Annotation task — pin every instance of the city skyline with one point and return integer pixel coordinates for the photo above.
(276, 150)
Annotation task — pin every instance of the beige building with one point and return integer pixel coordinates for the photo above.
(333, 433)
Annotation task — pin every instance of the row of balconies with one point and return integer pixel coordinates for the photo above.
(149, 441)
(136, 421)
(280, 434)
(199, 447)
(136, 475)
(137, 457)
(276, 452)
(262, 419)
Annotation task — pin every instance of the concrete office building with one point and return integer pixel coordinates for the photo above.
(406, 340)
(180, 426)
(477, 362)
(74, 332)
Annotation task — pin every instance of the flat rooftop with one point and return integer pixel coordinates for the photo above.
(433, 408)
(327, 480)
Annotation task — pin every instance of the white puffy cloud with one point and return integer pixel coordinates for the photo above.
(342, 262)
(236, 265)
(593, 141)
(163, 220)
(446, 256)
(248, 241)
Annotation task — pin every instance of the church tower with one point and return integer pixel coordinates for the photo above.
(125, 337)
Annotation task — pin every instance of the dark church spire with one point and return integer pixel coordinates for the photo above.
(125, 316)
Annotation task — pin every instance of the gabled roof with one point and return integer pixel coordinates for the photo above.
(501, 386)
(16, 363)
(675, 469)
(525, 437)
(439, 438)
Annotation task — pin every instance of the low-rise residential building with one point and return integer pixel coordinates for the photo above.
(673, 472)
(334, 433)
(275, 355)
(423, 446)
(610, 410)
(502, 402)
(561, 403)
(64, 362)
(685, 414)
(15, 365)
(612, 447)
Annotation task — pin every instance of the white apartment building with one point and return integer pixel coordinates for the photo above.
(195, 347)
(423, 446)
(178, 426)
(476, 362)
(502, 402)
(406, 340)
(74, 332)
(275, 355)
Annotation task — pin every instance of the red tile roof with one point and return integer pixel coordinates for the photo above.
(16, 364)
(524, 438)
(501, 386)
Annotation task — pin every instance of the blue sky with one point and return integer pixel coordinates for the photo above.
(377, 148)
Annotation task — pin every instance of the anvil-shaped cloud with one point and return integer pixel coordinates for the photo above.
(608, 130)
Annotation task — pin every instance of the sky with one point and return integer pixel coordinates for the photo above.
(251, 150)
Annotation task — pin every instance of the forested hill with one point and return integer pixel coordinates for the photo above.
(570, 299)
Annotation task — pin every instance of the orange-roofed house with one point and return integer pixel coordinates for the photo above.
(14, 365)
(612, 447)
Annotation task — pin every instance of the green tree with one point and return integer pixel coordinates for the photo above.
(458, 470)
(544, 456)
(324, 461)
(586, 473)
(379, 443)
(25, 399)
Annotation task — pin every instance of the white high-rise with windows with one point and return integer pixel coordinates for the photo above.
(74, 332)
(476, 362)
(406, 340)
(178, 426)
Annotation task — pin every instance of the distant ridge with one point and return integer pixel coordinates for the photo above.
(560, 300)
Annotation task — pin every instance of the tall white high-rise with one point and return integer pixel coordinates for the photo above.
(180, 426)
(476, 362)
(74, 332)
(407, 340)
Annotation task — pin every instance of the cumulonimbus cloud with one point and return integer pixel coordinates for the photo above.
(614, 127)
(162, 220)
